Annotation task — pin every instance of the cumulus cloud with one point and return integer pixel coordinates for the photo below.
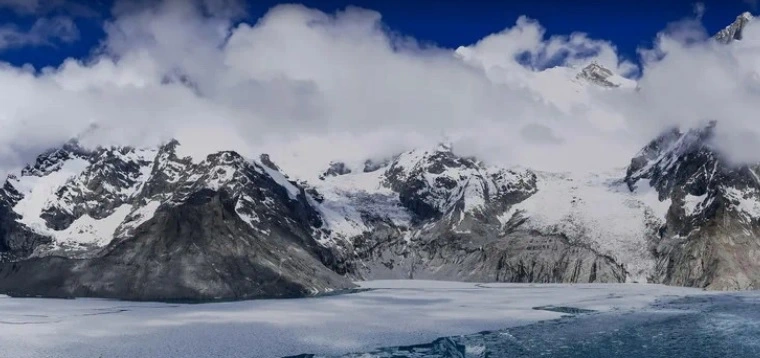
(310, 87)
(693, 83)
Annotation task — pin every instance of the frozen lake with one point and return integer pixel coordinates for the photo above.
(391, 313)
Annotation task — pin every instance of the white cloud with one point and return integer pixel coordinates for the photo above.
(310, 87)
(76, 8)
(699, 10)
(23, 6)
(42, 32)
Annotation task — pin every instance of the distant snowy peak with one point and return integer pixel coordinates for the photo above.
(599, 75)
(416, 188)
(712, 225)
(52, 159)
(734, 31)
(85, 197)
(685, 167)
(434, 183)
(663, 157)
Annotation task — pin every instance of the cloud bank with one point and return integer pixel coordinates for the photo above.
(310, 87)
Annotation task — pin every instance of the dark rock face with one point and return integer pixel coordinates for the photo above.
(197, 250)
(107, 183)
(222, 228)
(335, 169)
(53, 159)
(734, 32)
(597, 74)
(710, 237)
(372, 165)
(455, 232)
(16, 240)
(267, 161)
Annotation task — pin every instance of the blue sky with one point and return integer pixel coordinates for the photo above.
(448, 23)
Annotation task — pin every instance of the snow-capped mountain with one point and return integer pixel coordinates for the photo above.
(710, 235)
(601, 76)
(155, 223)
(734, 31)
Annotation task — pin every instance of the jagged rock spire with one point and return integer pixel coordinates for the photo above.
(597, 74)
(734, 31)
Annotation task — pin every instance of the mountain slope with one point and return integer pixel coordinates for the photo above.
(710, 238)
(435, 215)
(132, 224)
(733, 31)
(155, 224)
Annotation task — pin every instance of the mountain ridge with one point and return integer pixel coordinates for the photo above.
(156, 224)
(423, 214)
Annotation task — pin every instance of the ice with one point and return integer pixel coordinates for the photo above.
(600, 210)
(348, 197)
(391, 313)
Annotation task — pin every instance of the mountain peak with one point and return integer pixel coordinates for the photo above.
(734, 30)
(599, 75)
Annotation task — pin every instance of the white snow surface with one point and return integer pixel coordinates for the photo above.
(89, 231)
(136, 217)
(347, 197)
(692, 203)
(39, 191)
(393, 313)
(39, 194)
(747, 202)
(600, 210)
(283, 181)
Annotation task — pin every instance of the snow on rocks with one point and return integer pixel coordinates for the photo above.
(596, 209)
